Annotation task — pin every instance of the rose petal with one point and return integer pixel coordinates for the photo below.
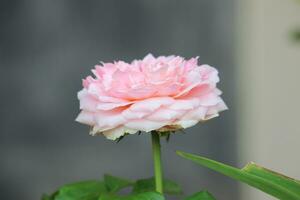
(109, 119)
(86, 118)
(209, 73)
(110, 106)
(130, 114)
(196, 114)
(115, 133)
(187, 89)
(184, 104)
(87, 101)
(186, 123)
(213, 110)
(151, 104)
(163, 114)
(145, 125)
(149, 94)
(210, 99)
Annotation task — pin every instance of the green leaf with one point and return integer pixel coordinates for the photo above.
(114, 184)
(203, 195)
(146, 185)
(139, 196)
(270, 182)
(49, 197)
(85, 190)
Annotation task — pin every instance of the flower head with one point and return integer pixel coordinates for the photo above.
(163, 93)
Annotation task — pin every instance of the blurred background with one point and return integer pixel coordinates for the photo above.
(47, 47)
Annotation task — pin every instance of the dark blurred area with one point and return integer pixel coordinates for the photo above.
(47, 47)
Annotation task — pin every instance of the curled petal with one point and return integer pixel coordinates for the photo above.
(209, 73)
(131, 114)
(163, 114)
(109, 119)
(186, 123)
(156, 93)
(86, 118)
(187, 89)
(185, 104)
(198, 114)
(151, 104)
(110, 106)
(210, 100)
(87, 102)
(213, 111)
(145, 125)
(115, 133)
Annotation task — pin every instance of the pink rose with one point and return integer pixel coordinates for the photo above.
(163, 93)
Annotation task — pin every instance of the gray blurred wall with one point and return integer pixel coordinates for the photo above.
(268, 68)
(47, 47)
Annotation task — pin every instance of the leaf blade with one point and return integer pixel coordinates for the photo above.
(262, 183)
(139, 196)
(85, 190)
(114, 184)
(202, 195)
(292, 184)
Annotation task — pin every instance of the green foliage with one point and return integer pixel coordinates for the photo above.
(139, 196)
(86, 190)
(146, 185)
(108, 189)
(203, 195)
(114, 184)
(142, 189)
(270, 182)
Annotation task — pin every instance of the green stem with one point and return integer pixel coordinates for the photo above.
(157, 161)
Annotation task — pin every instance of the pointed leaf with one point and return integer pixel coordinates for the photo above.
(114, 184)
(85, 190)
(203, 195)
(263, 179)
(280, 179)
(146, 185)
(139, 196)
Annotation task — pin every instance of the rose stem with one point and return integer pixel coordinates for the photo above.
(157, 161)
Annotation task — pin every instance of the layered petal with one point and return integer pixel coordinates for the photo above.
(145, 125)
(156, 93)
(86, 117)
(115, 133)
